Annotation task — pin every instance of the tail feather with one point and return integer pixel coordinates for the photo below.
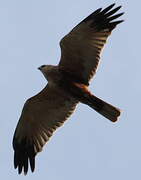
(81, 92)
(107, 110)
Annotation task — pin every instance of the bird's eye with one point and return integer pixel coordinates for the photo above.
(43, 66)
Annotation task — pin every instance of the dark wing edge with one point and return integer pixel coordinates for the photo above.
(26, 149)
(24, 153)
(103, 19)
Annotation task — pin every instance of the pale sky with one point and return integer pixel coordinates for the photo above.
(88, 146)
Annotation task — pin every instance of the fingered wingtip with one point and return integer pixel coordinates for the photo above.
(108, 8)
(119, 7)
(117, 22)
(25, 173)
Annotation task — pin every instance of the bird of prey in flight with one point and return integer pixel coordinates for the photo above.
(67, 86)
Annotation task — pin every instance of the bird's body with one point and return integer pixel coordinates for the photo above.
(67, 86)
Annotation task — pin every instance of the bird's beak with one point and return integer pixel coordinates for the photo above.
(39, 68)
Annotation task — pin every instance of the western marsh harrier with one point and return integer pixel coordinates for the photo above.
(67, 86)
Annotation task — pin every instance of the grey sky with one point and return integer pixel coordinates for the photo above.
(88, 146)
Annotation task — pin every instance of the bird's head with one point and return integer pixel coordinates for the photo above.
(49, 71)
(45, 68)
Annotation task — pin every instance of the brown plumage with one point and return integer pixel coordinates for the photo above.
(67, 86)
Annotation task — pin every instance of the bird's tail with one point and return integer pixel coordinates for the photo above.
(81, 92)
(107, 110)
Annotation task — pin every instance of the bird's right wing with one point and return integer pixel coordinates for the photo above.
(41, 116)
(81, 48)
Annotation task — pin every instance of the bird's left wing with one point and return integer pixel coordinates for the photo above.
(41, 116)
(81, 48)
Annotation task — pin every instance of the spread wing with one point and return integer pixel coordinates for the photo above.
(41, 116)
(81, 48)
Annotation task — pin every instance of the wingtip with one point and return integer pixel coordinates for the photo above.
(32, 164)
(15, 164)
(24, 152)
(118, 22)
(19, 169)
(122, 13)
(32, 169)
(111, 6)
(119, 7)
(108, 8)
(25, 173)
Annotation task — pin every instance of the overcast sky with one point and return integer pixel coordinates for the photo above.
(88, 146)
